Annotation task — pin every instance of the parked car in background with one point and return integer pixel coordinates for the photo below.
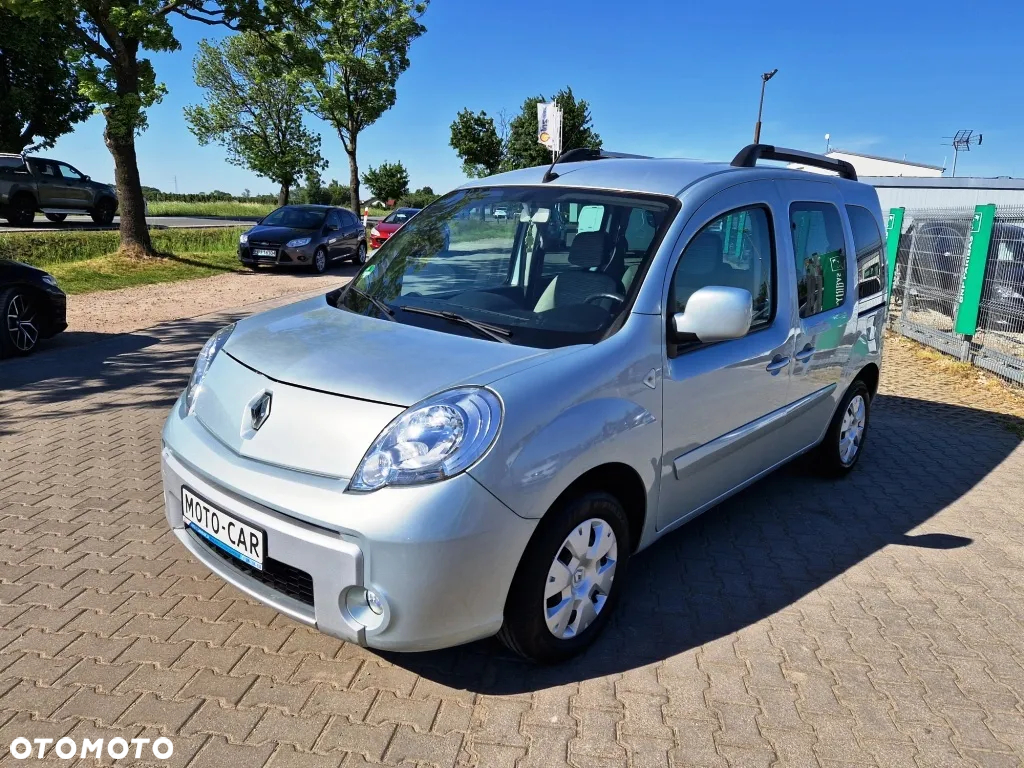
(390, 224)
(29, 185)
(304, 235)
(463, 441)
(32, 307)
(500, 213)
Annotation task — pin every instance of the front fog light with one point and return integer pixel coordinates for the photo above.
(374, 602)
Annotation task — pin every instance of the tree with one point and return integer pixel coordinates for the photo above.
(524, 151)
(107, 38)
(39, 98)
(487, 148)
(352, 53)
(338, 194)
(479, 144)
(389, 181)
(421, 198)
(254, 110)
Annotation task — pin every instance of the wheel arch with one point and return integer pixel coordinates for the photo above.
(621, 481)
(870, 375)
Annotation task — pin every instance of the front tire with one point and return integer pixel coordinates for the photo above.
(104, 212)
(319, 261)
(569, 579)
(19, 323)
(56, 218)
(361, 254)
(843, 445)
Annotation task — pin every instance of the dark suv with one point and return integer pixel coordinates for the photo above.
(35, 184)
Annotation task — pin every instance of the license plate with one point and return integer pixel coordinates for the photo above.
(264, 253)
(224, 531)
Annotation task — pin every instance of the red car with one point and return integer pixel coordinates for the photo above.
(391, 224)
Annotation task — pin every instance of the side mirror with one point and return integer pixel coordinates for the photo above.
(87, 177)
(716, 313)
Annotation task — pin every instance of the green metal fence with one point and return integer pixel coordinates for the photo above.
(956, 280)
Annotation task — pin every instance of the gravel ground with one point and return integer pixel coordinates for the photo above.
(130, 309)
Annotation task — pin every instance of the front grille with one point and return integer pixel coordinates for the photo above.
(279, 576)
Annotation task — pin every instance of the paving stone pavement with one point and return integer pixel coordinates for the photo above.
(875, 620)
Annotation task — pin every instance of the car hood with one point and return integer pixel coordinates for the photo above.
(277, 235)
(314, 345)
(382, 227)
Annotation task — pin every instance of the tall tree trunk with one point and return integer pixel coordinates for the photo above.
(283, 195)
(132, 205)
(353, 176)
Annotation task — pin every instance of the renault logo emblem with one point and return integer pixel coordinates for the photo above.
(260, 410)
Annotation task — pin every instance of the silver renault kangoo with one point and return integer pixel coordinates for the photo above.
(538, 376)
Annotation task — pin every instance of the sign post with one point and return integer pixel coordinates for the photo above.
(972, 280)
(893, 228)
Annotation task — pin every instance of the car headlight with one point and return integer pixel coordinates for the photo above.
(50, 280)
(298, 242)
(243, 238)
(433, 440)
(203, 362)
(375, 232)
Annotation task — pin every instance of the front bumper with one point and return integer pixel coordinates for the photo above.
(282, 255)
(440, 556)
(376, 241)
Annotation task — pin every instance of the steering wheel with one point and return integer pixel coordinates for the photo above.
(613, 296)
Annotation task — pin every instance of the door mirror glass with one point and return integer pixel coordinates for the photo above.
(715, 313)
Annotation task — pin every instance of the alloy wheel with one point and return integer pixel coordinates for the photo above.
(852, 431)
(361, 256)
(580, 578)
(321, 261)
(21, 323)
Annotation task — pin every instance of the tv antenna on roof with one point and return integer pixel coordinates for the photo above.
(961, 142)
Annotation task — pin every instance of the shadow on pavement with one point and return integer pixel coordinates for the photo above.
(764, 549)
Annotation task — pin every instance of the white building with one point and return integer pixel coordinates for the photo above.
(873, 166)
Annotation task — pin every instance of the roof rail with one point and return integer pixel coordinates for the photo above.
(750, 154)
(581, 154)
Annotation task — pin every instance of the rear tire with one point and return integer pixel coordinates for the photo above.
(21, 211)
(19, 323)
(103, 214)
(843, 445)
(551, 613)
(56, 217)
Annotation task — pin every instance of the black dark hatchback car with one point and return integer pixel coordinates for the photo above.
(32, 307)
(304, 235)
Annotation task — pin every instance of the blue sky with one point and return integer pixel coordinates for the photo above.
(670, 78)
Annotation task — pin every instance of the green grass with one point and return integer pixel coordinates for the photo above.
(89, 261)
(44, 249)
(225, 208)
(105, 273)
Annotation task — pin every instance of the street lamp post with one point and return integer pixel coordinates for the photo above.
(764, 80)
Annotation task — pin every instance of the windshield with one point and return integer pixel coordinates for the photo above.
(401, 216)
(555, 266)
(295, 217)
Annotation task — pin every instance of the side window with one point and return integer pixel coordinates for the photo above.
(334, 220)
(867, 241)
(590, 218)
(819, 249)
(640, 229)
(68, 172)
(44, 168)
(12, 165)
(734, 250)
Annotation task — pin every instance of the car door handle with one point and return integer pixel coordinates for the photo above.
(805, 354)
(777, 364)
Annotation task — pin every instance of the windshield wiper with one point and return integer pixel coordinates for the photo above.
(385, 310)
(493, 331)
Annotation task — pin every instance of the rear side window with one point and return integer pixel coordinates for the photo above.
(819, 249)
(10, 165)
(867, 242)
